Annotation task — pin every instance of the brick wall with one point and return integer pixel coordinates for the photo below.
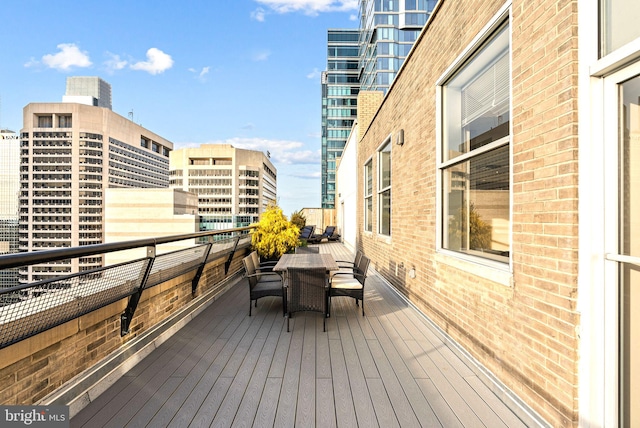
(520, 325)
(37, 366)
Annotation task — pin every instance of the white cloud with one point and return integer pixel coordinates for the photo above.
(315, 74)
(115, 62)
(258, 14)
(281, 151)
(157, 62)
(261, 56)
(310, 7)
(69, 56)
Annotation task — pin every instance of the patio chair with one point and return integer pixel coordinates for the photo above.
(307, 232)
(328, 232)
(351, 266)
(262, 284)
(266, 266)
(307, 250)
(351, 284)
(306, 290)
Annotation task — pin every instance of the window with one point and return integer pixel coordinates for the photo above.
(45, 121)
(368, 196)
(619, 24)
(474, 164)
(384, 188)
(64, 121)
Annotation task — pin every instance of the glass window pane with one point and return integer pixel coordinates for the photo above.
(476, 205)
(476, 100)
(619, 24)
(385, 213)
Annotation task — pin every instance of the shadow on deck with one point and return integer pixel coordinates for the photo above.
(224, 368)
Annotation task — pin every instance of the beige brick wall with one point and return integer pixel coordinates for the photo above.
(521, 327)
(37, 366)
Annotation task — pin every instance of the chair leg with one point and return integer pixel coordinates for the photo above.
(249, 307)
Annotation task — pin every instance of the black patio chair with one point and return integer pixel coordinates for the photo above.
(306, 290)
(263, 284)
(350, 284)
(307, 232)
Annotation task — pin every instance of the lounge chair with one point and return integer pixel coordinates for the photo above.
(307, 232)
(328, 234)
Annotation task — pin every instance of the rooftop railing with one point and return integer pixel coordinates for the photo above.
(29, 309)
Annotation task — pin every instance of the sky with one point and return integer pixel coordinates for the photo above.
(240, 72)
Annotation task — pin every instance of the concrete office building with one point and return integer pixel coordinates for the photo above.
(70, 153)
(9, 191)
(154, 212)
(234, 186)
(88, 90)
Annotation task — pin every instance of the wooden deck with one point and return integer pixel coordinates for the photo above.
(226, 369)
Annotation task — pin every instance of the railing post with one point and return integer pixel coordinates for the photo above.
(227, 264)
(196, 278)
(127, 316)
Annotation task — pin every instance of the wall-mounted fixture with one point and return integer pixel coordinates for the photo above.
(400, 137)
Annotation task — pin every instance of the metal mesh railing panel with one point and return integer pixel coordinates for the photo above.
(44, 305)
(171, 265)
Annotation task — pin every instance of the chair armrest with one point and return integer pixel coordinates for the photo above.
(267, 274)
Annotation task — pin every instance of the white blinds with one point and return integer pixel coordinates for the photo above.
(489, 92)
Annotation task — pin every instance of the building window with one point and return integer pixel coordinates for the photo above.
(474, 164)
(368, 196)
(45, 121)
(384, 188)
(618, 25)
(64, 121)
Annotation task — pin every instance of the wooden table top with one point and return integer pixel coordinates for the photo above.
(306, 261)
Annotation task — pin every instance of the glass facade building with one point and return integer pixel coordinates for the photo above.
(340, 89)
(368, 59)
(388, 30)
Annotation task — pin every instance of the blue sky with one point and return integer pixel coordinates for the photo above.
(243, 72)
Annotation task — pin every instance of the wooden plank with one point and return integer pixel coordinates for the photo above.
(266, 413)
(360, 394)
(325, 404)
(306, 408)
(385, 412)
(286, 412)
(345, 411)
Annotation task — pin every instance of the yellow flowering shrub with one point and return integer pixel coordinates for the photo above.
(274, 235)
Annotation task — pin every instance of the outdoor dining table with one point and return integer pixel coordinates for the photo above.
(306, 261)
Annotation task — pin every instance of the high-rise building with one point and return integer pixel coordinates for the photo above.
(388, 30)
(88, 90)
(339, 104)
(70, 153)
(9, 190)
(234, 186)
(366, 59)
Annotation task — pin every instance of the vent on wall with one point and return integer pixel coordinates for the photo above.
(400, 137)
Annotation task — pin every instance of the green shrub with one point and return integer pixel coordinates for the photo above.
(298, 219)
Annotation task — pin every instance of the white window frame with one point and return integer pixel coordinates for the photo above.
(497, 271)
(368, 222)
(384, 147)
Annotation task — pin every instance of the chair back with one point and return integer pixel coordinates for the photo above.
(307, 232)
(307, 289)
(250, 270)
(329, 231)
(363, 267)
(307, 250)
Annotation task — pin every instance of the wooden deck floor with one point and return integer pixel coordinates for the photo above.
(226, 369)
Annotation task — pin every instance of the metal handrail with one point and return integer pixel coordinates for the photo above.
(8, 261)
